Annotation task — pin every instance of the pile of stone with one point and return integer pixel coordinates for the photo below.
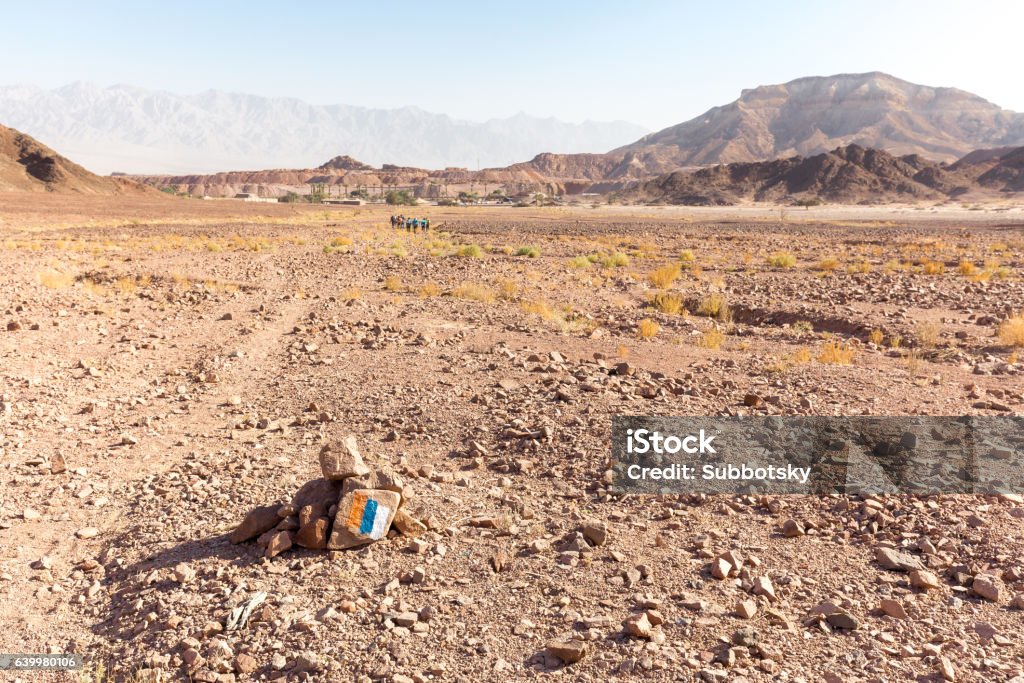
(352, 505)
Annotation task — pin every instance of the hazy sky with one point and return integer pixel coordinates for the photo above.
(653, 63)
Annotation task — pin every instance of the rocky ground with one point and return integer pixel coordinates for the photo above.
(166, 370)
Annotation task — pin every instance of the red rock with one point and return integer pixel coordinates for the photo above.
(258, 521)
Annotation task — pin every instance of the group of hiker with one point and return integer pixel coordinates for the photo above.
(413, 224)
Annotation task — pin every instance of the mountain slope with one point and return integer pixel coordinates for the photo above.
(813, 115)
(133, 130)
(850, 174)
(28, 165)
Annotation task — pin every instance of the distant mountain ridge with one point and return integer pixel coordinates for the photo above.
(816, 114)
(134, 130)
(850, 175)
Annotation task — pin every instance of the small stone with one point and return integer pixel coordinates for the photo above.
(258, 521)
(568, 651)
(763, 586)
(843, 620)
(746, 609)
(341, 459)
(245, 664)
(894, 608)
(183, 572)
(88, 532)
(792, 528)
(946, 669)
(279, 542)
(408, 525)
(897, 561)
(129, 440)
(720, 568)
(985, 587)
(57, 464)
(638, 626)
(924, 579)
(313, 534)
(30, 515)
(596, 532)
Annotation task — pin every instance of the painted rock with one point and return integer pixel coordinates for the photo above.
(364, 516)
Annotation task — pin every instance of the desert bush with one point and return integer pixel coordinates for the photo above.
(966, 268)
(393, 283)
(876, 337)
(666, 302)
(474, 292)
(859, 267)
(664, 276)
(349, 294)
(712, 339)
(782, 259)
(715, 306)
(580, 262)
(613, 260)
(469, 251)
(647, 329)
(933, 268)
(428, 289)
(835, 352)
(531, 252)
(828, 264)
(55, 279)
(1011, 331)
(507, 289)
(928, 334)
(687, 256)
(539, 308)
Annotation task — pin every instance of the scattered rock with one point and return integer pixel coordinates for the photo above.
(568, 651)
(341, 459)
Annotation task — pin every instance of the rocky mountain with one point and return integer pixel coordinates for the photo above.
(850, 174)
(810, 116)
(132, 130)
(28, 165)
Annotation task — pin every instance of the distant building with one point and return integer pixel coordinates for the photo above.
(253, 197)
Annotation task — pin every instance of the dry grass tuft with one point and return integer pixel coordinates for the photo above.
(469, 251)
(782, 259)
(55, 279)
(647, 329)
(664, 276)
(428, 289)
(933, 268)
(1011, 331)
(876, 337)
(393, 283)
(666, 302)
(715, 306)
(828, 264)
(837, 353)
(474, 292)
(712, 339)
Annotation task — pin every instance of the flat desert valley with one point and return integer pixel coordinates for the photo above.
(168, 365)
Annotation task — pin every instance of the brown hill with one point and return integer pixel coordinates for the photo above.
(28, 165)
(850, 174)
(812, 115)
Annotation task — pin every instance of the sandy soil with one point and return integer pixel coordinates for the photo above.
(169, 364)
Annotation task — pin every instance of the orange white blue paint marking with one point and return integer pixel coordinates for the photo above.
(368, 517)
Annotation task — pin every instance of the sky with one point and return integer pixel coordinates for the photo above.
(651, 63)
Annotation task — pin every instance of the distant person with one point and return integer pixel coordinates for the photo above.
(426, 224)
(393, 219)
(415, 224)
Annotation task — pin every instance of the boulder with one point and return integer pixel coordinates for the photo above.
(363, 516)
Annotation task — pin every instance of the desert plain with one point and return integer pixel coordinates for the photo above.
(168, 364)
